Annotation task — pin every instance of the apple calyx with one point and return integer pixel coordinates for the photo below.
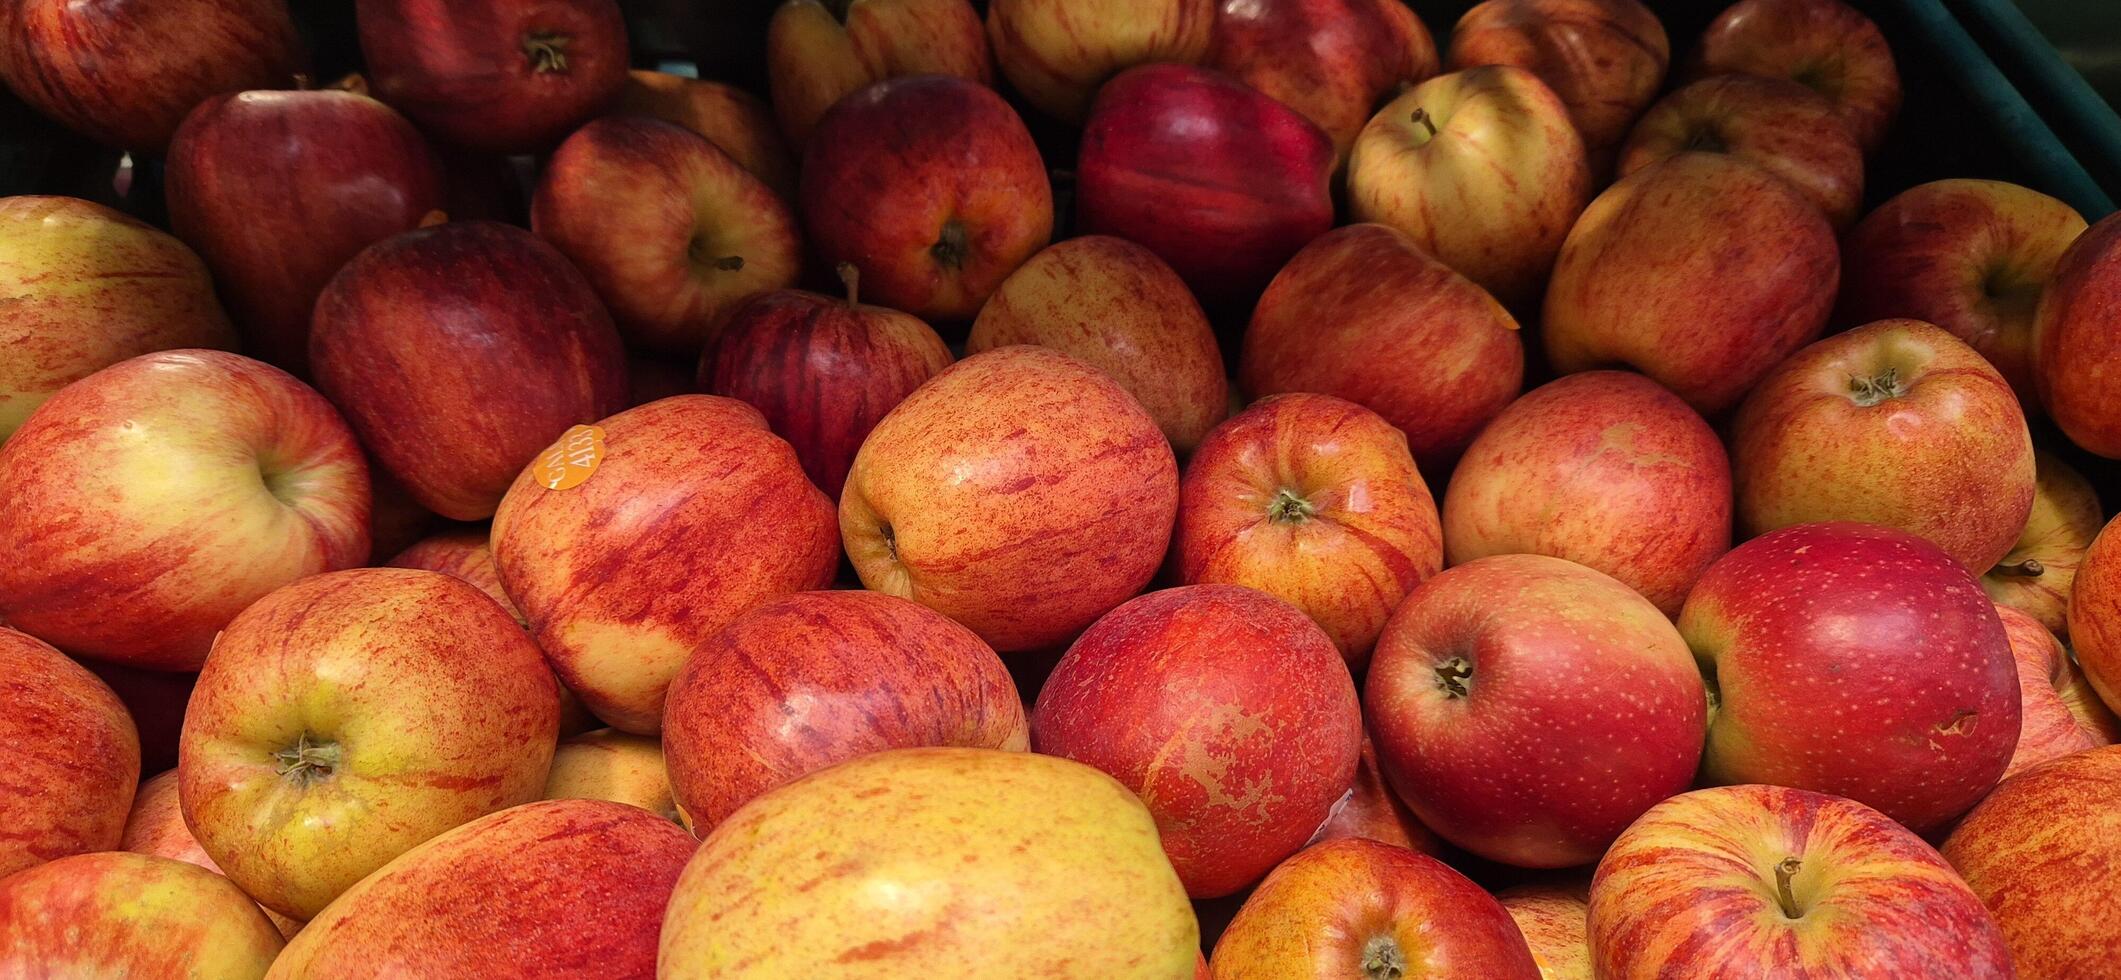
(951, 247)
(547, 51)
(851, 277)
(697, 251)
(1705, 139)
(1452, 675)
(1876, 388)
(839, 9)
(1289, 507)
(1382, 959)
(890, 540)
(1786, 869)
(306, 763)
(2029, 568)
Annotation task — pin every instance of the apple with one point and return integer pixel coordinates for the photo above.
(932, 187)
(1365, 314)
(1117, 307)
(1317, 502)
(1229, 712)
(544, 887)
(1856, 660)
(1555, 920)
(1970, 256)
(1606, 469)
(1482, 169)
(148, 503)
(1772, 881)
(630, 542)
(1216, 178)
(2094, 615)
(1020, 492)
(1776, 124)
(1371, 811)
(1825, 45)
(818, 53)
(735, 121)
(1358, 908)
(943, 862)
(812, 679)
(507, 76)
(823, 371)
(279, 190)
(346, 718)
(671, 231)
(2037, 576)
(1605, 59)
(119, 914)
(2061, 714)
(2040, 852)
(1057, 53)
(1332, 60)
(88, 287)
(608, 764)
(124, 72)
(1496, 672)
(464, 554)
(156, 827)
(1896, 423)
(74, 756)
(1701, 271)
(155, 700)
(2072, 333)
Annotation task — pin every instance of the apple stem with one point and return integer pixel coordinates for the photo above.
(2029, 568)
(1877, 388)
(547, 51)
(307, 762)
(1452, 676)
(1289, 507)
(730, 263)
(1382, 959)
(851, 277)
(1421, 116)
(1784, 871)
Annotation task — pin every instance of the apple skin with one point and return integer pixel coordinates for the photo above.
(1226, 710)
(1776, 124)
(1970, 256)
(1058, 53)
(1605, 59)
(74, 758)
(504, 76)
(88, 287)
(119, 914)
(1490, 190)
(2040, 853)
(1692, 890)
(1627, 289)
(932, 187)
(1332, 60)
(156, 827)
(823, 371)
(125, 72)
(809, 680)
(279, 190)
(1371, 811)
(2072, 329)
(608, 764)
(1499, 672)
(1826, 45)
(943, 862)
(1896, 423)
(1117, 307)
(1020, 492)
(2061, 714)
(346, 718)
(1606, 469)
(1363, 313)
(1555, 920)
(1856, 660)
(1219, 180)
(1358, 908)
(2095, 615)
(819, 53)
(150, 502)
(735, 121)
(695, 483)
(2039, 574)
(1315, 501)
(671, 231)
(557, 886)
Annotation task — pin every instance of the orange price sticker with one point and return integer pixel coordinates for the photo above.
(571, 460)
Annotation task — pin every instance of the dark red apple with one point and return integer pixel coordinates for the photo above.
(1334, 61)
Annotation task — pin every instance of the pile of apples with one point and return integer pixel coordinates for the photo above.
(1504, 511)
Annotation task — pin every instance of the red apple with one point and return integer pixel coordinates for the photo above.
(1970, 256)
(1365, 314)
(809, 680)
(124, 72)
(735, 121)
(2039, 574)
(156, 827)
(1825, 45)
(460, 351)
(630, 542)
(1057, 53)
(1700, 271)
(2061, 715)
(1606, 469)
(1218, 179)
(2095, 615)
(2074, 339)
(1767, 881)
(395, 520)
(1358, 908)
(1315, 501)
(1332, 60)
(73, 759)
(1225, 709)
(148, 503)
(1856, 660)
(1020, 492)
(278, 190)
(671, 231)
(1776, 124)
(509, 76)
(1605, 59)
(464, 554)
(118, 914)
(818, 53)
(1371, 811)
(822, 370)
(1555, 920)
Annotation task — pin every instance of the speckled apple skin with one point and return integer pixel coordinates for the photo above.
(2061, 714)
(1825, 44)
(1556, 922)
(2076, 350)
(2095, 615)
(1778, 125)
(1372, 811)
(2058, 531)
(1335, 61)
(1856, 660)
(67, 780)
(119, 914)
(1605, 59)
